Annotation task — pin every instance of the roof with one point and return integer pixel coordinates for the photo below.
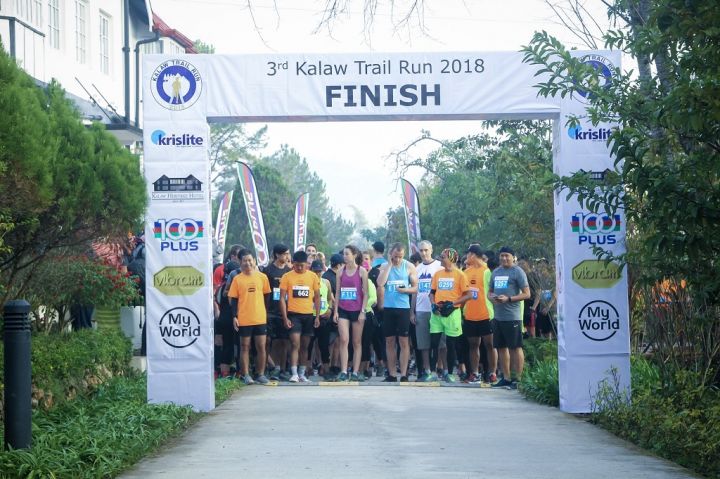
(164, 29)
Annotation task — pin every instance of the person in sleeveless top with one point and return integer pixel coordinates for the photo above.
(397, 282)
(352, 296)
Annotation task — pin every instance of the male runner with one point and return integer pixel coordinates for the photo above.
(248, 293)
(300, 310)
(478, 314)
(278, 332)
(421, 305)
(508, 287)
(378, 250)
(397, 282)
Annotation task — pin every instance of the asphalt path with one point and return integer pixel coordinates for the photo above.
(396, 431)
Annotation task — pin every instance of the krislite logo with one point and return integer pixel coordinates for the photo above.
(597, 134)
(179, 327)
(594, 229)
(604, 69)
(160, 138)
(178, 234)
(176, 84)
(599, 320)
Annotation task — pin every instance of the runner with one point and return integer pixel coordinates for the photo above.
(397, 282)
(299, 303)
(449, 290)
(422, 308)
(279, 335)
(224, 333)
(336, 262)
(248, 294)
(350, 309)
(378, 250)
(322, 332)
(368, 332)
(311, 249)
(508, 287)
(478, 312)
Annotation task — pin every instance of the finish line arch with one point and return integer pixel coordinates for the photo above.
(182, 94)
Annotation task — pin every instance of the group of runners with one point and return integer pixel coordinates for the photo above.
(364, 312)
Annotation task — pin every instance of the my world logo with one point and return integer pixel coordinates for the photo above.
(599, 320)
(594, 229)
(591, 134)
(160, 138)
(178, 234)
(179, 327)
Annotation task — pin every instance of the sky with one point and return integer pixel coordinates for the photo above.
(291, 26)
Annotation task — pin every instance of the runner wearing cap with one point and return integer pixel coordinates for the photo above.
(449, 290)
(508, 287)
(327, 300)
(299, 307)
(352, 289)
(422, 308)
(478, 312)
(279, 334)
(248, 293)
(397, 282)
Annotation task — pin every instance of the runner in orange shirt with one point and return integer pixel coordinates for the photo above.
(478, 314)
(248, 294)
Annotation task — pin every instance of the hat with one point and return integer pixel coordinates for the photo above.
(316, 265)
(336, 259)
(506, 249)
(475, 249)
(379, 246)
(300, 257)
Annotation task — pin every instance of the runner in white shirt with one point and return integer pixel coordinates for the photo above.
(421, 307)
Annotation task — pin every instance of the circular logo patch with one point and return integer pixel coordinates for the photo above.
(176, 85)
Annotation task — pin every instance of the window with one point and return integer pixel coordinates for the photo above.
(54, 23)
(81, 31)
(104, 44)
(29, 10)
(173, 48)
(154, 47)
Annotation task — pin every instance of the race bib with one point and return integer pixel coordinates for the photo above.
(424, 286)
(392, 286)
(546, 295)
(323, 305)
(276, 294)
(501, 282)
(348, 294)
(474, 293)
(446, 284)
(301, 292)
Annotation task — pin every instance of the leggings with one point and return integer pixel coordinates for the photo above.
(322, 336)
(378, 338)
(435, 345)
(224, 326)
(367, 336)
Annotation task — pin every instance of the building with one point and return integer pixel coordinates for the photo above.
(92, 48)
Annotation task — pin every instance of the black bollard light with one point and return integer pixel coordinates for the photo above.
(18, 381)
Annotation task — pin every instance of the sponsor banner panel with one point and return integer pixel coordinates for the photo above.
(183, 387)
(580, 376)
(223, 216)
(301, 220)
(179, 328)
(175, 239)
(365, 86)
(254, 213)
(176, 141)
(179, 185)
(174, 87)
(411, 204)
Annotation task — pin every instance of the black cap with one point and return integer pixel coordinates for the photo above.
(336, 259)
(299, 257)
(506, 249)
(379, 246)
(316, 265)
(475, 249)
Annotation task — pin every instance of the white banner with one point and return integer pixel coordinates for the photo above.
(593, 311)
(176, 141)
(361, 86)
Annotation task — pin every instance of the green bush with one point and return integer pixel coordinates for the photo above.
(540, 382)
(538, 350)
(65, 365)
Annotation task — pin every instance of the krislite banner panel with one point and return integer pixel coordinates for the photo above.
(593, 311)
(411, 204)
(301, 219)
(176, 141)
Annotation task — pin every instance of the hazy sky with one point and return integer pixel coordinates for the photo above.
(337, 150)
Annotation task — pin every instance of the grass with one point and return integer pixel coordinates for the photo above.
(101, 435)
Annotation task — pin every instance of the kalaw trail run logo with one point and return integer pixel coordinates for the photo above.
(176, 84)
(605, 71)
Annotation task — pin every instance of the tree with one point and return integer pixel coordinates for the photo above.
(64, 185)
(667, 153)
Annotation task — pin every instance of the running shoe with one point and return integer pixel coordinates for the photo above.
(449, 378)
(262, 379)
(472, 379)
(284, 376)
(422, 378)
(390, 379)
(380, 372)
(304, 379)
(248, 380)
(492, 378)
(343, 377)
(432, 378)
(503, 383)
(330, 377)
(368, 374)
(354, 377)
(404, 379)
(275, 374)
(514, 384)
(294, 378)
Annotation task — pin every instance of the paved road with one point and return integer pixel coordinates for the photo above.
(396, 432)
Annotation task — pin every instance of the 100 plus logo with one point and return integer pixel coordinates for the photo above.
(178, 234)
(596, 229)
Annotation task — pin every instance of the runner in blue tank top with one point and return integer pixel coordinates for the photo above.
(396, 283)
